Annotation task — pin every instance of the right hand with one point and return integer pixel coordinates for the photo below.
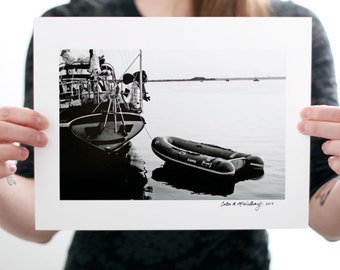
(324, 122)
(23, 126)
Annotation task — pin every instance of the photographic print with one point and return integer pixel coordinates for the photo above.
(177, 130)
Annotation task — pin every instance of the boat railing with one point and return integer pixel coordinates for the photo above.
(77, 89)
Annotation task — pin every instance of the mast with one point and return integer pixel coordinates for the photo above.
(141, 79)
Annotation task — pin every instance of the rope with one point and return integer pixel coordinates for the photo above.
(148, 133)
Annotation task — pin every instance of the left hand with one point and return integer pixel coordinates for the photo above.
(23, 126)
(324, 122)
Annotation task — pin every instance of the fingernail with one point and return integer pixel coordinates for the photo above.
(305, 113)
(302, 127)
(11, 168)
(41, 140)
(23, 152)
(42, 122)
(331, 160)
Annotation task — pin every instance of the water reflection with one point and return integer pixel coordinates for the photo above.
(200, 182)
(91, 174)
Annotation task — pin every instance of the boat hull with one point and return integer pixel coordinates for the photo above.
(99, 167)
(106, 131)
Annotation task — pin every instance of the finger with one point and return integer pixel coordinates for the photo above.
(13, 152)
(321, 113)
(334, 164)
(327, 130)
(331, 148)
(24, 117)
(25, 135)
(7, 169)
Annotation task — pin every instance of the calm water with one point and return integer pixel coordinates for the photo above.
(245, 116)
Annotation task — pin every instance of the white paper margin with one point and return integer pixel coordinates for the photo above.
(292, 35)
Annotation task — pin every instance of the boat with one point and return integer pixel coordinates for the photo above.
(206, 158)
(108, 132)
(98, 109)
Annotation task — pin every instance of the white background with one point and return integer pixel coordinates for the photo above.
(290, 249)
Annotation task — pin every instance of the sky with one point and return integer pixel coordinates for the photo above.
(186, 64)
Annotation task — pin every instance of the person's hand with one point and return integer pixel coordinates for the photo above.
(19, 126)
(324, 122)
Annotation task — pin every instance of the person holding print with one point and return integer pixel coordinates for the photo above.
(235, 249)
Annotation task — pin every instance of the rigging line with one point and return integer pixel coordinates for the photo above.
(97, 106)
(148, 133)
(129, 66)
(107, 113)
(125, 58)
(108, 92)
(120, 111)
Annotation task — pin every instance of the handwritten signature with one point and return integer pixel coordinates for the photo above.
(256, 204)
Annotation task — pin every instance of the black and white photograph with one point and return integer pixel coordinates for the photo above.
(198, 111)
(187, 133)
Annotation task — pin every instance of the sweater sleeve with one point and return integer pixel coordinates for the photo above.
(323, 85)
(26, 168)
(324, 92)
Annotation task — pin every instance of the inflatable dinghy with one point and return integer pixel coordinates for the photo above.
(205, 157)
